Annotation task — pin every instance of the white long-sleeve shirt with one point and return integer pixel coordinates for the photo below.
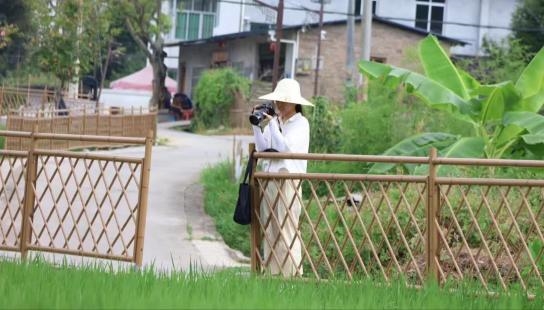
(294, 137)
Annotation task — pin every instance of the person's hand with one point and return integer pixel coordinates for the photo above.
(269, 117)
(259, 106)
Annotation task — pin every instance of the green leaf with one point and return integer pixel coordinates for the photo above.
(531, 80)
(532, 122)
(533, 103)
(469, 81)
(533, 138)
(438, 66)
(493, 106)
(466, 147)
(431, 92)
(417, 145)
(507, 134)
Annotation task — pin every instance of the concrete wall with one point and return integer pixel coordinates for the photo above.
(242, 54)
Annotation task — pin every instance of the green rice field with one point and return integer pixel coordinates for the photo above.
(38, 284)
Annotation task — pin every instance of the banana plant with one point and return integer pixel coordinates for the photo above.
(503, 115)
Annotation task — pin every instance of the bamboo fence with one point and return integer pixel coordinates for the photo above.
(440, 225)
(74, 203)
(133, 122)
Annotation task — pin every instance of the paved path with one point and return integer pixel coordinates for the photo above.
(179, 235)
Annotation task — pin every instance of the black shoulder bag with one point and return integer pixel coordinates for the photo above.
(242, 212)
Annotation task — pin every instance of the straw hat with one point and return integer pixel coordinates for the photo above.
(287, 90)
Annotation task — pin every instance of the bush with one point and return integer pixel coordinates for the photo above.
(324, 127)
(387, 117)
(214, 96)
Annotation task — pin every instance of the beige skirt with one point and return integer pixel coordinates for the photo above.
(280, 212)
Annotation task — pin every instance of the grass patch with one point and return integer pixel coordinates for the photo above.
(220, 194)
(40, 285)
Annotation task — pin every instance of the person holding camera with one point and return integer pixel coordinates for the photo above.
(283, 129)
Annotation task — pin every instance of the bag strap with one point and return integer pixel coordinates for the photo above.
(249, 168)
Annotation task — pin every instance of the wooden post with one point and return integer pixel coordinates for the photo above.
(142, 212)
(28, 201)
(432, 220)
(84, 122)
(255, 232)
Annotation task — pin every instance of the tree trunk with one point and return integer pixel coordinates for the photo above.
(159, 73)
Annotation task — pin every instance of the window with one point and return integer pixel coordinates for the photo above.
(359, 7)
(195, 19)
(430, 15)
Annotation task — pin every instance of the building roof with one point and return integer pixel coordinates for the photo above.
(246, 34)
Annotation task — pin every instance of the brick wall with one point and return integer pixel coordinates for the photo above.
(396, 46)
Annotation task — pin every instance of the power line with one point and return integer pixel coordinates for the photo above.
(393, 19)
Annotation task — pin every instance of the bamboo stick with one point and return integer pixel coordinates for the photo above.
(143, 199)
(28, 202)
(432, 248)
(255, 227)
(92, 156)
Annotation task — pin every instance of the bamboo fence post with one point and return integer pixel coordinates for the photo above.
(432, 221)
(97, 122)
(44, 98)
(144, 191)
(69, 125)
(255, 210)
(28, 201)
(84, 122)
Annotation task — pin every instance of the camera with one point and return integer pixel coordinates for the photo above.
(258, 114)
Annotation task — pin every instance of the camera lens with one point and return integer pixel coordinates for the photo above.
(255, 118)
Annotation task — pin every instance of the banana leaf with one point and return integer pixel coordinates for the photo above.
(531, 80)
(417, 145)
(431, 92)
(438, 67)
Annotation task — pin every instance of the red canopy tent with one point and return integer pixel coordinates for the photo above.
(142, 80)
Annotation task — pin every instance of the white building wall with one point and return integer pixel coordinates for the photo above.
(399, 11)
(235, 17)
(458, 16)
(229, 18)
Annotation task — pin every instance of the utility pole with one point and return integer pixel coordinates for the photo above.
(319, 34)
(366, 42)
(279, 34)
(350, 53)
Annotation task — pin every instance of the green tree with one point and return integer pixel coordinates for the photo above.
(66, 40)
(528, 24)
(15, 25)
(147, 24)
(503, 116)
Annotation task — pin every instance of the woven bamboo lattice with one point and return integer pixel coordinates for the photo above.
(351, 226)
(12, 178)
(14, 98)
(74, 203)
(119, 123)
(29, 99)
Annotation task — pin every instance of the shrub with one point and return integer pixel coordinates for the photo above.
(324, 127)
(387, 117)
(214, 96)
